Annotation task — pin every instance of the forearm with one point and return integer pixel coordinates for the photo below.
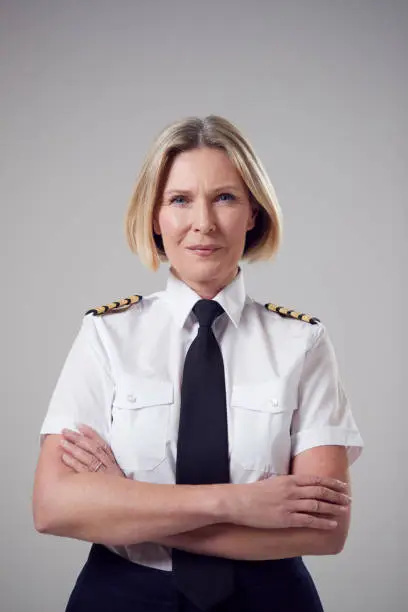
(240, 542)
(119, 511)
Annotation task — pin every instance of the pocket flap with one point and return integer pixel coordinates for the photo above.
(135, 392)
(264, 397)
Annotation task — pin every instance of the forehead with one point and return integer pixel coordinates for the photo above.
(204, 165)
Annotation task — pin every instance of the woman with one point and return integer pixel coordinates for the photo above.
(200, 440)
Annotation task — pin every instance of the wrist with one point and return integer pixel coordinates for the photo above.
(210, 502)
(222, 504)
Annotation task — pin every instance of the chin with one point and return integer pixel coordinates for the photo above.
(205, 272)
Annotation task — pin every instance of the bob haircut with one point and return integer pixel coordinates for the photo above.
(262, 242)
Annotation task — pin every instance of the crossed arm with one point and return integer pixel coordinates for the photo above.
(240, 542)
(106, 509)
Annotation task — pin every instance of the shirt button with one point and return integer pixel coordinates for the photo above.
(275, 403)
(131, 398)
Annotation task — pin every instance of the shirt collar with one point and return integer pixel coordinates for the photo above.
(182, 298)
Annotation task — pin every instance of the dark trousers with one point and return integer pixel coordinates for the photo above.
(109, 583)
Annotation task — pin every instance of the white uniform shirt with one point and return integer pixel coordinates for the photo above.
(123, 378)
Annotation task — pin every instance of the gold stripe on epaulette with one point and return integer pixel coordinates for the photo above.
(117, 306)
(286, 312)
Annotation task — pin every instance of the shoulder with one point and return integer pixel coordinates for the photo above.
(116, 306)
(286, 326)
(291, 313)
(123, 314)
(293, 331)
(110, 324)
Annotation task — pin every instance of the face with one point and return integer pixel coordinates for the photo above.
(204, 204)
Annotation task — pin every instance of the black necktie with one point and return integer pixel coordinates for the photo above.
(202, 453)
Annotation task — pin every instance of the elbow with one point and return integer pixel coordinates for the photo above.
(334, 544)
(48, 522)
(41, 525)
(47, 517)
(335, 547)
(43, 517)
(52, 507)
(334, 541)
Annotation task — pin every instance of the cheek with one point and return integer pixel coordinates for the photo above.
(171, 225)
(234, 227)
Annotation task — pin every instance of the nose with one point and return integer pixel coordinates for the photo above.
(203, 216)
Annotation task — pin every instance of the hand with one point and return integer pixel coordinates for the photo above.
(288, 501)
(88, 452)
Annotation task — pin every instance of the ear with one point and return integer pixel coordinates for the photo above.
(252, 219)
(156, 226)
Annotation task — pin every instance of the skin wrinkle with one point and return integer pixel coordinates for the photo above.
(201, 176)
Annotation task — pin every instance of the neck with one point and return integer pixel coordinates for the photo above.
(207, 290)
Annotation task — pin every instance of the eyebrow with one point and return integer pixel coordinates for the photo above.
(168, 192)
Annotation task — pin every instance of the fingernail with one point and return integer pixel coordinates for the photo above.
(333, 523)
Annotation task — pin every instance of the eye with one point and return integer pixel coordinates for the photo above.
(178, 200)
(225, 197)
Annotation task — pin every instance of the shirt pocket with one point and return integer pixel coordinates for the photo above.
(140, 422)
(261, 419)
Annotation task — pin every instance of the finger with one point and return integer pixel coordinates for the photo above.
(71, 435)
(88, 445)
(299, 519)
(73, 463)
(90, 433)
(306, 480)
(316, 506)
(81, 455)
(324, 494)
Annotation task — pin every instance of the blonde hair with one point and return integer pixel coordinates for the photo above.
(262, 242)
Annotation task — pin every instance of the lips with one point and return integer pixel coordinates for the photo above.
(203, 247)
(203, 250)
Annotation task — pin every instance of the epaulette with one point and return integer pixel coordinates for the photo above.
(286, 312)
(119, 306)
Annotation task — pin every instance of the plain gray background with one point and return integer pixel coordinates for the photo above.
(319, 88)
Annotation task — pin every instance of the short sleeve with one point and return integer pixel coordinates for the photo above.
(84, 390)
(324, 415)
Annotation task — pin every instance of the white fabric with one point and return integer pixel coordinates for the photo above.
(123, 376)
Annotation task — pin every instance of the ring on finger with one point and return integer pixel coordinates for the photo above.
(98, 467)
